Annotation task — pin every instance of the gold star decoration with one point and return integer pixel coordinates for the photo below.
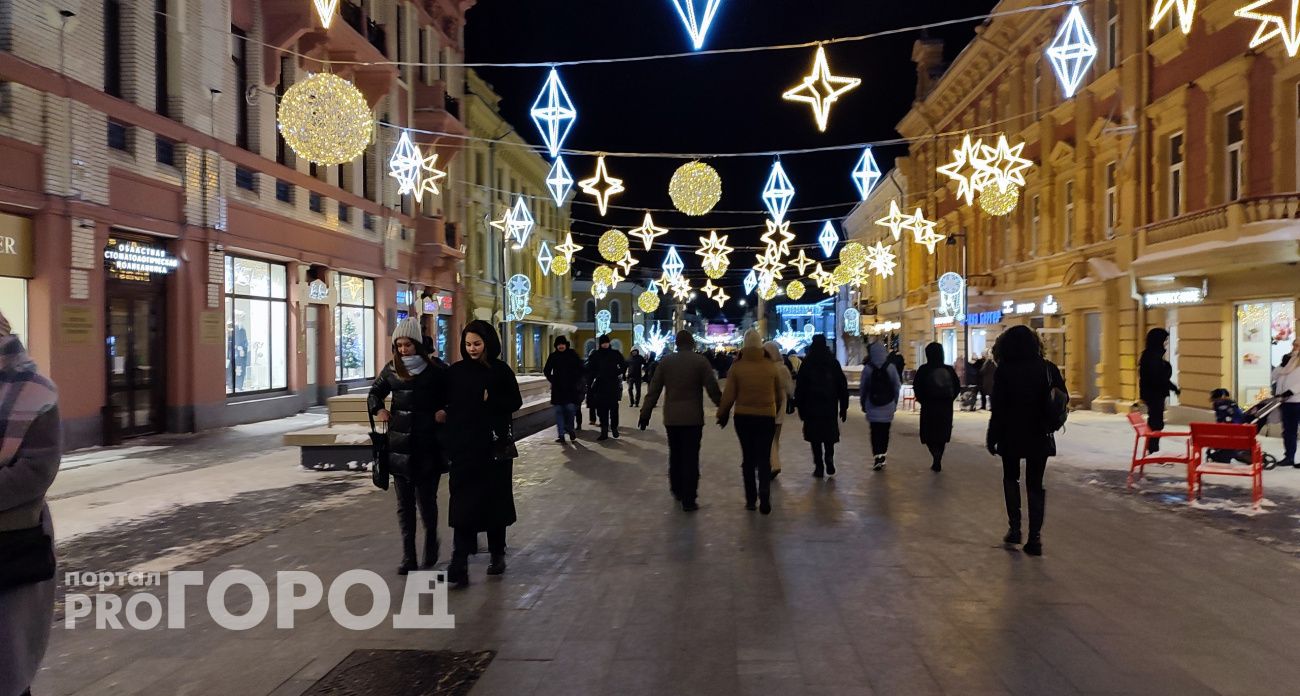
(647, 232)
(896, 221)
(968, 155)
(568, 248)
(721, 296)
(821, 89)
(627, 263)
(802, 262)
(1284, 25)
(923, 231)
(1186, 11)
(708, 289)
(778, 236)
(714, 250)
(1004, 164)
(822, 279)
(769, 264)
(602, 186)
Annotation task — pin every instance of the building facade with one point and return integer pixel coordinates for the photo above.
(502, 166)
(174, 259)
(1164, 194)
(624, 316)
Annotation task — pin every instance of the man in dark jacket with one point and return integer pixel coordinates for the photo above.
(605, 369)
(1155, 382)
(564, 371)
(821, 394)
(687, 376)
(635, 374)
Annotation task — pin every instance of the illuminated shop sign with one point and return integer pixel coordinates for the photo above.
(1185, 296)
(980, 318)
(131, 260)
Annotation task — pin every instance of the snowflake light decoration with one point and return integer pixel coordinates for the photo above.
(778, 192)
(867, 174)
(820, 89)
(559, 181)
(1073, 50)
(828, 239)
(553, 112)
(519, 288)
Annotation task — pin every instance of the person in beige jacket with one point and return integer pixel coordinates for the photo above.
(754, 388)
(773, 353)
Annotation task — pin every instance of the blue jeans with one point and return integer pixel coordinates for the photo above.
(564, 416)
(1290, 424)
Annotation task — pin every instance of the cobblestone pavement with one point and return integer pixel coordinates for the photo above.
(869, 583)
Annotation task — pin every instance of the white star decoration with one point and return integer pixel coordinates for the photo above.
(602, 186)
(568, 248)
(627, 263)
(802, 262)
(714, 249)
(1003, 164)
(1285, 26)
(881, 260)
(1186, 13)
(896, 221)
(1073, 50)
(647, 232)
(430, 175)
(968, 155)
(923, 231)
(778, 237)
(821, 89)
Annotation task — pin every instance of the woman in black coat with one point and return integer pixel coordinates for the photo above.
(483, 396)
(565, 373)
(1019, 426)
(418, 387)
(936, 386)
(605, 369)
(1155, 382)
(821, 394)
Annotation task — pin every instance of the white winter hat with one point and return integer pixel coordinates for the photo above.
(408, 328)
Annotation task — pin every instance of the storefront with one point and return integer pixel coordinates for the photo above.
(16, 255)
(137, 270)
(257, 326)
(1263, 334)
(354, 328)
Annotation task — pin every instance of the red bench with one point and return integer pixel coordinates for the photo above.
(1230, 437)
(1143, 434)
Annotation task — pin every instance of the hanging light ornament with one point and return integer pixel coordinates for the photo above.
(626, 263)
(820, 89)
(778, 192)
(520, 289)
(844, 273)
(697, 15)
(559, 181)
(1283, 26)
(777, 238)
(545, 259)
(968, 156)
(648, 232)
(795, 290)
(1186, 13)
(853, 255)
(326, 120)
(828, 239)
(802, 262)
(714, 251)
(866, 174)
(603, 275)
(568, 248)
(923, 231)
(881, 259)
(1073, 50)
(648, 301)
(560, 265)
(998, 201)
(751, 281)
(613, 245)
(599, 290)
(673, 264)
(767, 291)
(695, 188)
(896, 221)
(553, 113)
(602, 186)
(325, 9)
(603, 319)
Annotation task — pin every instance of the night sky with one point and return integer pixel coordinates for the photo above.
(711, 104)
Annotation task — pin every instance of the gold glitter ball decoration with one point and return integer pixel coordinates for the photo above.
(852, 255)
(560, 265)
(613, 245)
(716, 270)
(998, 201)
(843, 273)
(695, 188)
(603, 275)
(648, 301)
(326, 120)
(795, 290)
(768, 291)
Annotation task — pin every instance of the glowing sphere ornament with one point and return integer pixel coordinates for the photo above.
(852, 255)
(648, 302)
(768, 291)
(613, 245)
(603, 275)
(998, 201)
(715, 272)
(795, 290)
(695, 188)
(843, 273)
(325, 119)
(560, 265)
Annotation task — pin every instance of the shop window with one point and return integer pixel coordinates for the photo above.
(1111, 203)
(354, 328)
(1177, 186)
(1265, 334)
(1235, 137)
(256, 326)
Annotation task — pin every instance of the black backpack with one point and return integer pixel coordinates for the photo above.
(880, 389)
(1057, 403)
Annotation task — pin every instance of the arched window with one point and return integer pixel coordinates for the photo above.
(591, 311)
(614, 312)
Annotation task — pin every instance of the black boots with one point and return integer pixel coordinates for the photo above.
(818, 467)
(497, 565)
(458, 571)
(1033, 547)
(830, 465)
(1013, 535)
(430, 551)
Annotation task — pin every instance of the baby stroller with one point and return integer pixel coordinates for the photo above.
(1226, 410)
(969, 398)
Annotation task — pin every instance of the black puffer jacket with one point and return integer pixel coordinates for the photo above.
(565, 373)
(605, 369)
(1155, 374)
(412, 430)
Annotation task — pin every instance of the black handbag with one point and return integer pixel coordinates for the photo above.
(28, 557)
(503, 446)
(379, 471)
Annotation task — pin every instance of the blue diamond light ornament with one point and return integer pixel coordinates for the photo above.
(697, 15)
(559, 181)
(866, 174)
(673, 264)
(520, 222)
(828, 239)
(778, 193)
(1072, 52)
(554, 113)
(751, 281)
(544, 258)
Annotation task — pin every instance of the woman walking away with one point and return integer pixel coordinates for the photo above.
(821, 393)
(1020, 427)
(635, 373)
(1155, 382)
(564, 371)
(30, 443)
(605, 368)
(754, 388)
(936, 387)
(419, 391)
(483, 396)
(1287, 383)
(880, 387)
(773, 352)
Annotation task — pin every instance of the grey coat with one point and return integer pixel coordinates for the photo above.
(27, 611)
(685, 376)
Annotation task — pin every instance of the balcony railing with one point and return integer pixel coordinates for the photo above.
(1285, 206)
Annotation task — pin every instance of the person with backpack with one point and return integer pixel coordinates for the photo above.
(821, 393)
(881, 384)
(1155, 382)
(1030, 403)
(936, 388)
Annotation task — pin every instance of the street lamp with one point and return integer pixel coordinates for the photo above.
(965, 290)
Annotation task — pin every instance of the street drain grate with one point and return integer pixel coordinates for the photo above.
(403, 673)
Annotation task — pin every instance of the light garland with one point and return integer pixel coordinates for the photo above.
(648, 302)
(559, 181)
(1073, 50)
(545, 259)
(778, 192)
(695, 188)
(673, 264)
(1186, 13)
(325, 119)
(698, 17)
(603, 319)
(648, 232)
(828, 239)
(881, 260)
(613, 245)
(1273, 24)
(602, 186)
(553, 113)
(325, 9)
(998, 201)
(802, 262)
(795, 290)
(769, 264)
(820, 89)
(568, 248)
(520, 290)
(778, 237)
(560, 265)
(970, 154)
(867, 173)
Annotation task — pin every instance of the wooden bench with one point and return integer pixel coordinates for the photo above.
(345, 442)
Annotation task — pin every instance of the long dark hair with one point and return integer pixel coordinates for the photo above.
(399, 365)
(1017, 344)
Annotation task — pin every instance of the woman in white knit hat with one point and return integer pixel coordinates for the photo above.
(418, 387)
